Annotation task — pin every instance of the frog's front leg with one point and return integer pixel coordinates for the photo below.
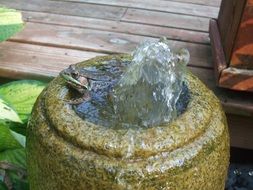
(85, 97)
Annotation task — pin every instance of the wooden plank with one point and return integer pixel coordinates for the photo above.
(242, 53)
(117, 26)
(67, 8)
(234, 102)
(101, 41)
(159, 5)
(228, 22)
(237, 79)
(18, 60)
(217, 50)
(166, 19)
(215, 3)
(241, 131)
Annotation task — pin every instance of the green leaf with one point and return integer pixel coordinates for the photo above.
(7, 141)
(20, 138)
(14, 156)
(10, 23)
(22, 95)
(17, 127)
(7, 113)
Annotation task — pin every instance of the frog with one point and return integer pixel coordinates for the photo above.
(78, 82)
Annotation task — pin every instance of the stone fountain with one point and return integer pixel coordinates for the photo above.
(145, 123)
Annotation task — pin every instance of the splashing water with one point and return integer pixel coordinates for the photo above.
(149, 90)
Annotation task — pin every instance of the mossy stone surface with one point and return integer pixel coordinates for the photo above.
(67, 152)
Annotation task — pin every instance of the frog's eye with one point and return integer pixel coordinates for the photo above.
(75, 74)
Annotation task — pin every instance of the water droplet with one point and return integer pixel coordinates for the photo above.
(237, 172)
(250, 173)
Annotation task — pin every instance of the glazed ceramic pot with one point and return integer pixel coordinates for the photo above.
(66, 152)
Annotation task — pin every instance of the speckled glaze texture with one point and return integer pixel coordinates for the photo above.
(66, 152)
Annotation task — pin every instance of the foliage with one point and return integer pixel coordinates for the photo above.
(21, 95)
(16, 102)
(7, 113)
(10, 23)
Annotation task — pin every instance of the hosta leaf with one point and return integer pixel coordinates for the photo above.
(7, 113)
(18, 127)
(10, 23)
(20, 138)
(7, 141)
(22, 95)
(14, 156)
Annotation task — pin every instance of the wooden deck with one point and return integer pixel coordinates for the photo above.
(59, 33)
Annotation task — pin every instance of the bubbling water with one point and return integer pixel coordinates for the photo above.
(148, 92)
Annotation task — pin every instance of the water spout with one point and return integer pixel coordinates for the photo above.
(148, 92)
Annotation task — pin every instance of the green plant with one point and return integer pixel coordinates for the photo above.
(10, 23)
(16, 102)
